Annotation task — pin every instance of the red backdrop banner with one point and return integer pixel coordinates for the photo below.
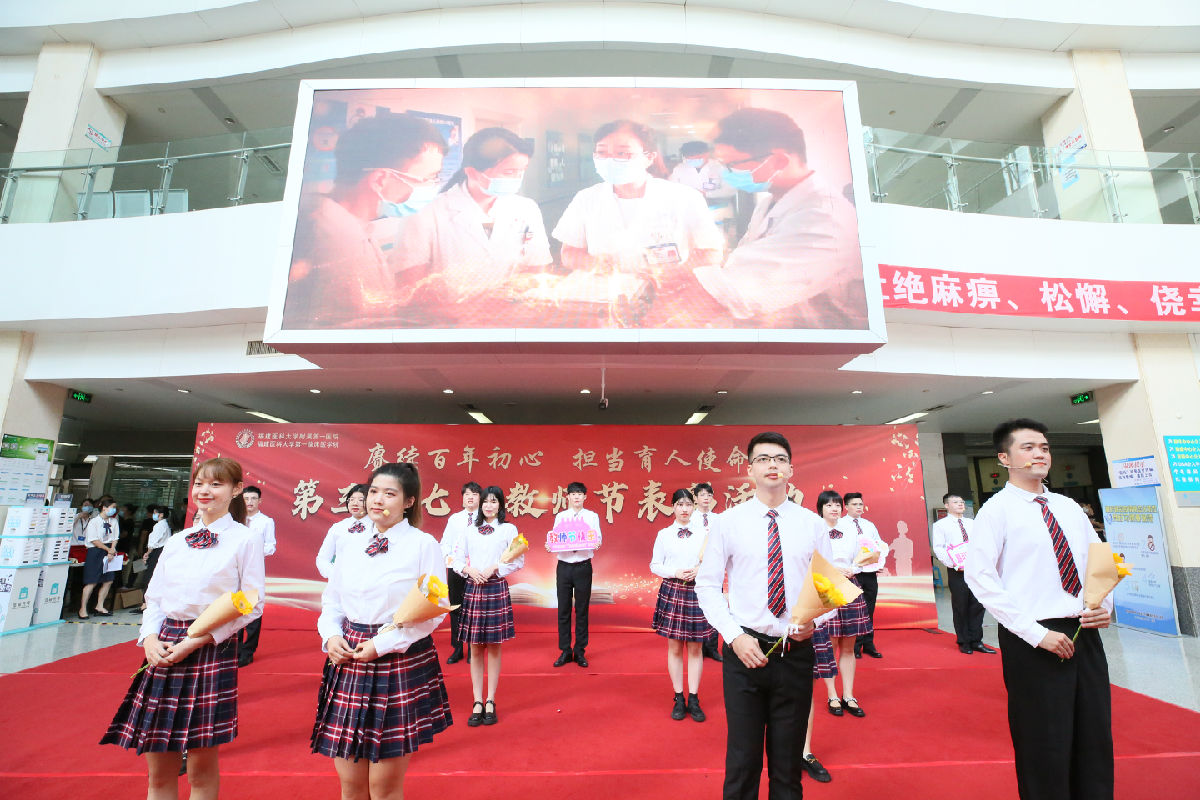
(630, 473)
(1025, 296)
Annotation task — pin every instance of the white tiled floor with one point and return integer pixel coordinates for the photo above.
(1162, 667)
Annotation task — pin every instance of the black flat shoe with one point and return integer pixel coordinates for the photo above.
(489, 717)
(872, 652)
(581, 660)
(816, 769)
(853, 710)
(693, 708)
(476, 718)
(965, 649)
(563, 658)
(456, 656)
(980, 647)
(835, 707)
(679, 710)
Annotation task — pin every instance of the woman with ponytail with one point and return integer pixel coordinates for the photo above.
(184, 699)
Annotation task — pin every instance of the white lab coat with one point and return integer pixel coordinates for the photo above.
(794, 249)
(708, 180)
(667, 215)
(450, 238)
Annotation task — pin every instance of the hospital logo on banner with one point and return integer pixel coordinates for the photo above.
(244, 438)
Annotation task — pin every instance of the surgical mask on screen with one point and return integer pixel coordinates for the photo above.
(618, 172)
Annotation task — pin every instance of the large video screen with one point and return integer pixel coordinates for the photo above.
(426, 211)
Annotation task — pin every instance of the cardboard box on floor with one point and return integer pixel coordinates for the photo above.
(127, 598)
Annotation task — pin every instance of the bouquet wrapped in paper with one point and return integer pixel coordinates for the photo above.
(515, 548)
(865, 556)
(429, 598)
(825, 588)
(224, 609)
(1105, 569)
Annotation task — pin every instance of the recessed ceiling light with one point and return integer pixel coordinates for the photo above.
(856, 391)
(941, 123)
(230, 121)
(447, 391)
(987, 391)
(480, 417)
(1089, 422)
(722, 391)
(695, 419)
(91, 459)
(184, 391)
(585, 391)
(315, 391)
(1168, 129)
(908, 418)
(262, 415)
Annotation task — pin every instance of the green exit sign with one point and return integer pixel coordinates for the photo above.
(82, 397)
(1082, 397)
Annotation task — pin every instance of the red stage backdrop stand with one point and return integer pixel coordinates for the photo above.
(630, 472)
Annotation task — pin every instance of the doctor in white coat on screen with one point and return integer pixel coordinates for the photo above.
(479, 232)
(798, 261)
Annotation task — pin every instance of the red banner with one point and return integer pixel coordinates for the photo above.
(630, 473)
(1024, 296)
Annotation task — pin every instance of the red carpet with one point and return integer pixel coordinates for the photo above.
(935, 727)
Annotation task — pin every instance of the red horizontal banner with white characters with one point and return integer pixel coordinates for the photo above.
(1025, 296)
(630, 473)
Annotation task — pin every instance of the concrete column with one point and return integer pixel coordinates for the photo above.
(1100, 110)
(26, 409)
(63, 104)
(1134, 418)
(101, 476)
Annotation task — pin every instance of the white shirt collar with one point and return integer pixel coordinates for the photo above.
(1027, 496)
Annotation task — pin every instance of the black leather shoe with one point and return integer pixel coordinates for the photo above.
(713, 652)
(489, 717)
(858, 651)
(581, 659)
(456, 656)
(693, 708)
(245, 661)
(476, 718)
(980, 647)
(563, 658)
(852, 710)
(835, 707)
(966, 649)
(872, 652)
(816, 769)
(679, 711)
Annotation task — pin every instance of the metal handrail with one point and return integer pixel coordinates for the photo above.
(1032, 162)
(154, 160)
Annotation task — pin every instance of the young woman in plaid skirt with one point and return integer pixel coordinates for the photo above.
(851, 620)
(487, 607)
(185, 697)
(677, 615)
(382, 693)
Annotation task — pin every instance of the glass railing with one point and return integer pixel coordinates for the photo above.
(903, 168)
(145, 179)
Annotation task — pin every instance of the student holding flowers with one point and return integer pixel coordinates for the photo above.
(852, 619)
(382, 694)
(480, 557)
(185, 697)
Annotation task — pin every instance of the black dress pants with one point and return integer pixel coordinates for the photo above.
(968, 612)
(1060, 716)
(457, 586)
(870, 586)
(767, 706)
(248, 639)
(574, 580)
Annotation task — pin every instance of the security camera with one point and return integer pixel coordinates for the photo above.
(603, 404)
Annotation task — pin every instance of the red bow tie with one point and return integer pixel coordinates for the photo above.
(486, 529)
(201, 539)
(357, 527)
(378, 544)
(835, 534)
(684, 533)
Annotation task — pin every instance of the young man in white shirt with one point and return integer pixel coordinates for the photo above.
(1026, 561)
(705, 502)
(953, 531)
(853, 523)
(573, 579)
(264, 526)
(456, 527)
(764, 546)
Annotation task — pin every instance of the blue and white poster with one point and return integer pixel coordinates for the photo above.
(1133, 525)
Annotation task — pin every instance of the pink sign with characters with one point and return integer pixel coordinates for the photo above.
(572, 534)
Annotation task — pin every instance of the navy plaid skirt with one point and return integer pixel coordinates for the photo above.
(851, 619)
(825, 665)
(487, 612)
(677, 613)
(380, 709)
(182, 706)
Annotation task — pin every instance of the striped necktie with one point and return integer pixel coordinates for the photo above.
(776, 595)
(963, 528)
(1067, 573)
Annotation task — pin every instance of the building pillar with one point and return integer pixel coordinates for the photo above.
(1099, 114)
(26, 409)
(1134, 418)
(63, 105)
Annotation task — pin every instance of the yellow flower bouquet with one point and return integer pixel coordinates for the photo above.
(1105, 569)
(865, 556)
(428, 598)
(224, 609)
(515, 548)
(825, 588)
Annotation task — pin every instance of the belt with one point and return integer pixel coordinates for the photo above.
(762, 637)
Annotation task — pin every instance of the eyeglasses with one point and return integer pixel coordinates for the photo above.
(618, 156)
(748, 164)
(782, 459)
(432, 180)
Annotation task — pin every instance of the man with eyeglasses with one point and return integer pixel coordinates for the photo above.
(764, 546)
(387, 168)
(798, 265)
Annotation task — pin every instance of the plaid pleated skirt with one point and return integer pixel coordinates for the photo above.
(677, 613)
(187, 705)
(384, 708)
(825, 665)
(852, 619)
(487, 612)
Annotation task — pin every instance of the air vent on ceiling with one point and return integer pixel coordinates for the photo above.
(255, 347)
(235, 405)
(271, 164)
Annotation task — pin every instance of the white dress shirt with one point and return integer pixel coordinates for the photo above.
(738, 547)
(844, 548)
(95, 530)
(593, 521)
(187, 579)
(456, 527)
(946, 534)
(79, 528)
(335, 538)
(870, 538)
(159, 535)
(708, 179)
(369, 589)
(673, 552)
(264, 526)
(483, 552)
(1011, 566)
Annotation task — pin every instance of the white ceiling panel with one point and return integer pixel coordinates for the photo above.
(886, 17)
(1104, 37)
(242, 20)
(299, 13)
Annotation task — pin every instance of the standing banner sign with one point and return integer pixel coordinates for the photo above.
(1133, 525)
(630, 472)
